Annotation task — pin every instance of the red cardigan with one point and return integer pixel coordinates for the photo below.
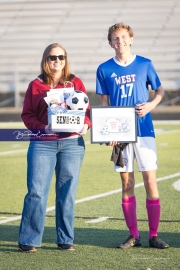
(34, 113)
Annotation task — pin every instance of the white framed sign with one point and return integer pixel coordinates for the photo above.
(113, 124)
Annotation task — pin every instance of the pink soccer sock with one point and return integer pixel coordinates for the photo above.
(153, 211)
(129, 210)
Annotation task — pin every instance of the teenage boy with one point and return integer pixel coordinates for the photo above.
(123, 81)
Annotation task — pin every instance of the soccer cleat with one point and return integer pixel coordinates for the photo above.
(27, 249)
(131, 242)
(66, 247)
(156, 242)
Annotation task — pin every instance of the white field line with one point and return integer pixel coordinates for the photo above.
(97, 196)
(10, 219)
(98, 220)
(176, 185)
(21, 151)
(12, 124)
(166, 122)
(162, 132)
(13, 152)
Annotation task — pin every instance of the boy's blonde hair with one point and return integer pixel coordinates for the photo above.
(117, 27)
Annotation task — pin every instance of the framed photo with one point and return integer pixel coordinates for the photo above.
(113, 124)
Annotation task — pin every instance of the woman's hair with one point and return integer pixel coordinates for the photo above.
(46, 74)
(117, 27)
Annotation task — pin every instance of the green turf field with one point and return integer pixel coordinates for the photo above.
(95, 239)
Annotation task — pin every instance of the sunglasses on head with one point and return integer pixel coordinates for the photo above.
(54, 57)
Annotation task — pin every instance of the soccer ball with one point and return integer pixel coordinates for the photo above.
(72, 120)
(77, 100)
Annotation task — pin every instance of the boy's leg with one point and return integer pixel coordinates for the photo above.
(129, 210)
(145, 152)
(153, 209)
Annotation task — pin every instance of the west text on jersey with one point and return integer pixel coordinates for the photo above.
(125, 79)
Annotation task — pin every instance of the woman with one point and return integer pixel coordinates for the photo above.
(64, 155)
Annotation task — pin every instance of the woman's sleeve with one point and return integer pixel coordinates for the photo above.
(29, 114)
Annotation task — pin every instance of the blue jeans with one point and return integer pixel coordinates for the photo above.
(65, 157)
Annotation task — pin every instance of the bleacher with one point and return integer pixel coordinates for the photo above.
(27, 27)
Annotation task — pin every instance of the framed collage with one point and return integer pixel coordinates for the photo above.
(113, 124)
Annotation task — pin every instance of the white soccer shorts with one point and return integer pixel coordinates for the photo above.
(144, 151)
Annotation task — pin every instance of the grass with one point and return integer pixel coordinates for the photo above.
(94, 242)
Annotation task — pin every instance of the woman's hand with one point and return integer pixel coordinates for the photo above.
(84, 130)
(48, 129)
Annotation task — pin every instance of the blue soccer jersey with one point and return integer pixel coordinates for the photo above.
(127, 85)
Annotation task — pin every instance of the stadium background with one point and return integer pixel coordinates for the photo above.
(27, 27)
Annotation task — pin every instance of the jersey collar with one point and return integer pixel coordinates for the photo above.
(124, 65)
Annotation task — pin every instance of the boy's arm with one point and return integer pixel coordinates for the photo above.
(104, 100)
(159, 93)
(144, 108)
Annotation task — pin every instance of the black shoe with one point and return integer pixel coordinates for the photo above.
(131, 242)
(66, 247)
(26, 248)
(156, 242)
